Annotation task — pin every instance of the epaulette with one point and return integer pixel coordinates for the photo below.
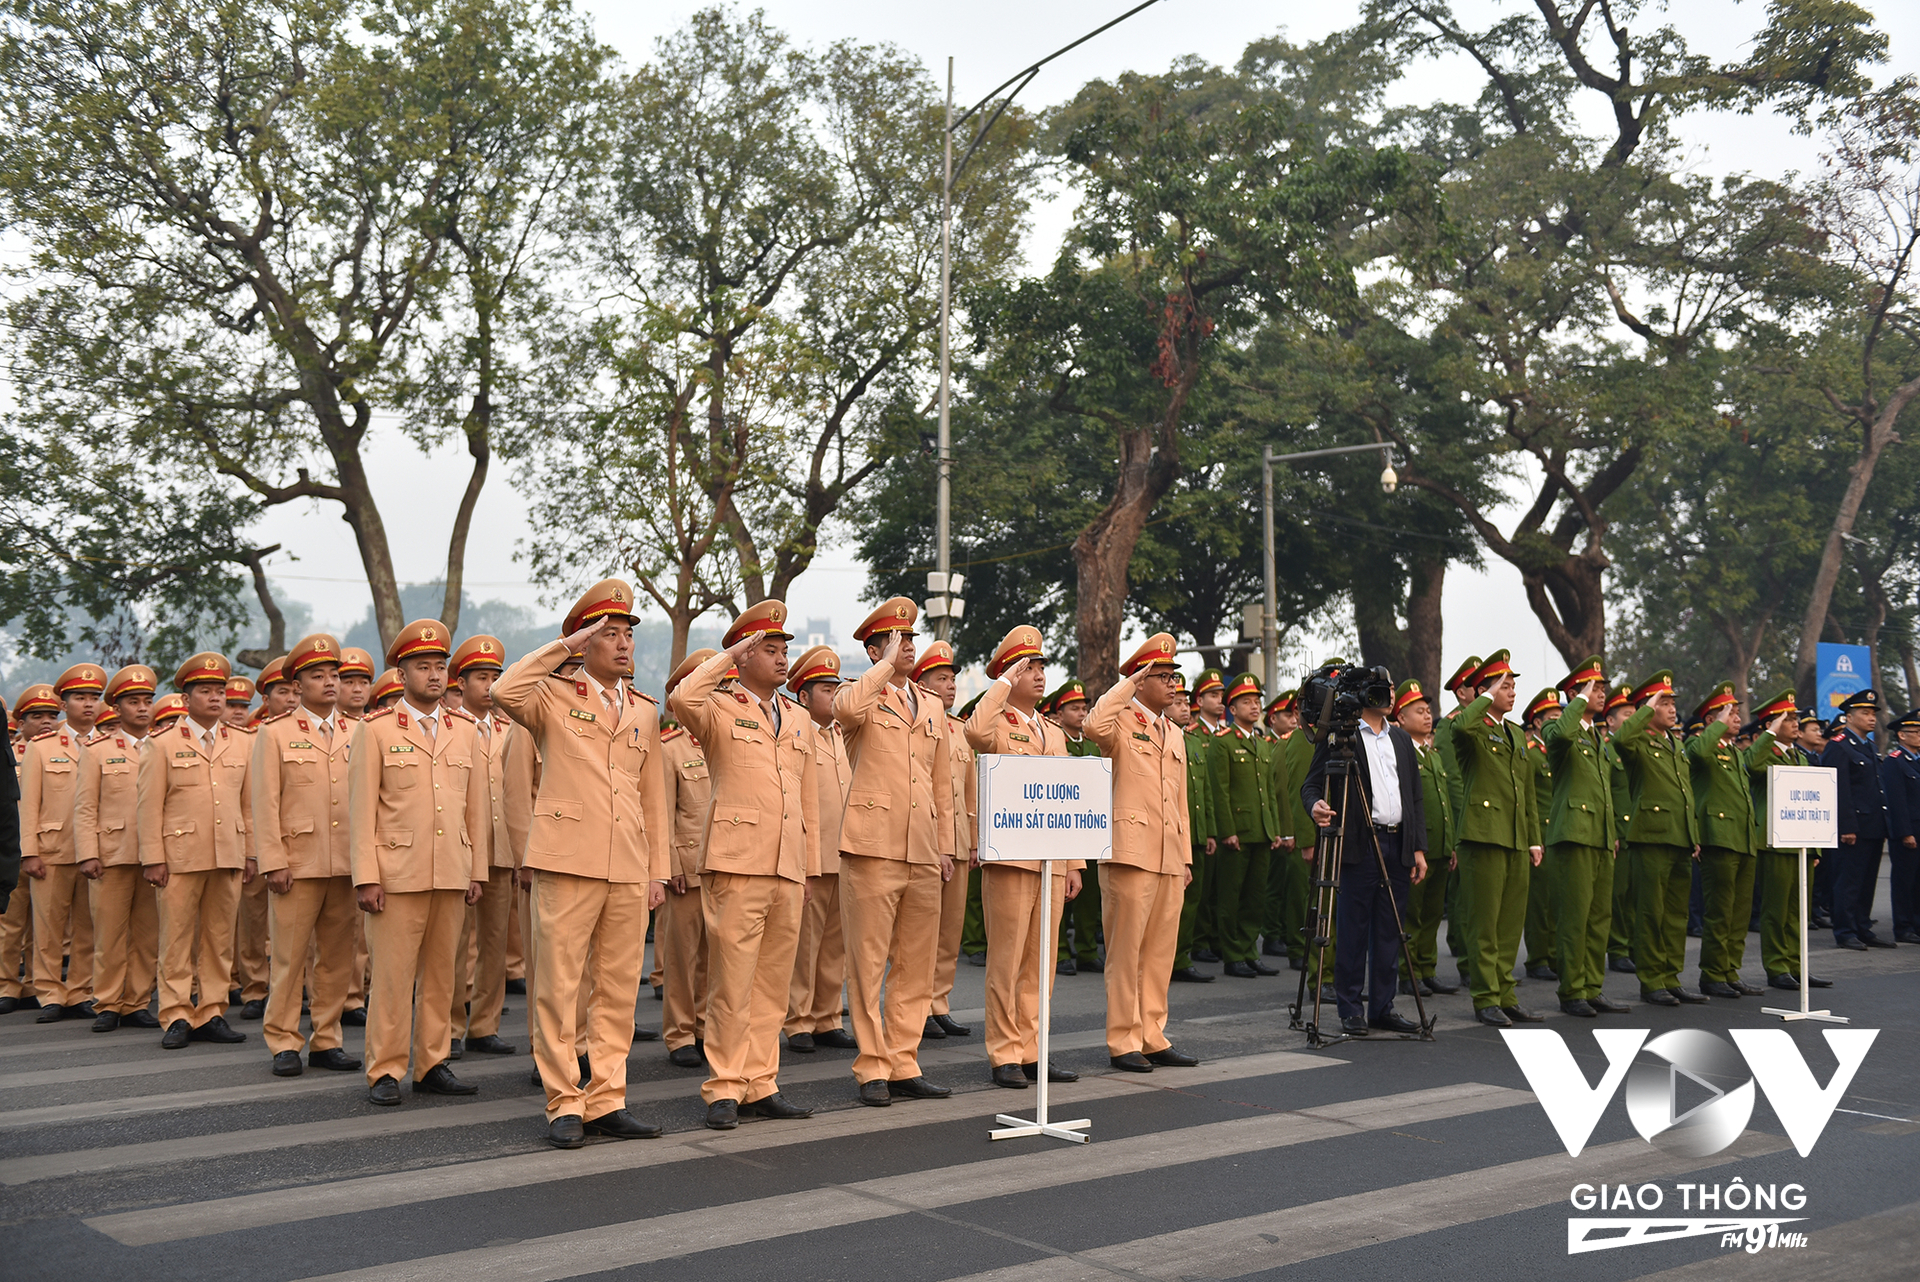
(249, 729)
(462, 712)
(278, 716)
(633, 694)
(378, 713)
(670, 734)
(44, 733)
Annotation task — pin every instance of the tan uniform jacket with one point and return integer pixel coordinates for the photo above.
(414, 803)
(601, 810)
(966, 788)
(495, 746)
(195, 809)
(754, 771)
(900, 802)
(997, 729)
(49, 781)
(689, 793)
(836, 776)
(300, 815)
(520, 780)
(1149, 758)
(105, 805)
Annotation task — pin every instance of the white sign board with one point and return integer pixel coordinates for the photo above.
(1803, 807)
(1045, 808)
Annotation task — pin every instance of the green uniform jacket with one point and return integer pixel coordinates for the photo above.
(1620, 790)
(1082, 747)
(1542, 779)
(1256, 769)
(1757, 763)
(1202, 815)
(1663, 813)
(1443, 744)
(1501, 806)
(1436, 789)
(1297, 749)
(1722, 790)
(1582, 809)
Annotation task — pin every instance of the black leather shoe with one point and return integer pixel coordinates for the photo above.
(1131, 1062)
(439, 1080)
(1820, 921)
(456, 1048)
(1406, 986)
(1189, 975)
(287, 1064)
(838, 1039)
(178, 1034)
(723, 1115)
(621, 1125)
(565, 1131)
(1055, 1073)
(1205, 955)
(1814, 981)
(976, 959)
(1783, 981)
(1908, 937)
(8, 1005)
(1658, 997)
(1874, 941)
(1714, 988)
(518, 987)
(1493, 1017)
(51, 1013)
(1624, 965)
(586, 1071)
(1857, 945)
(917, 1088)
(639, 1035)
(953, 1028)
(802, 1042)
(1170, 1057)
(106, 1021)
(776, 1107)
(384, 1091)
(874, 1094)
(1239, 970)
(355, 1018)
(1094, 967)
(1394, 1022)
(334, 1058)
(1261, 968)
(658, 989)
(217, 1030)
(537, 1080)
(1690, 997)
(1580, 1008)
(1354, 1026)
(491, 1044)
(140, 1019)
(254, 1009)
(932, 1029)
(1066, 966)
(1745, 989)
(1296, 963)
(1521, 1015)
(1268, 948)
(1542, 971)
(1438, 987)
(1607, 1006)
(687, 1056)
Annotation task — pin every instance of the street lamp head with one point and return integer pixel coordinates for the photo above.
(1389, 480)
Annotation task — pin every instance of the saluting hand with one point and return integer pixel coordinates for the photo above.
(1012, 675)
(739, 648)
(891, 650)
(577, 641)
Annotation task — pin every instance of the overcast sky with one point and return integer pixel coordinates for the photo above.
(989, 41)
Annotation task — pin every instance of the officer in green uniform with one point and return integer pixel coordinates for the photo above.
(1256, 771)
(973, 926)
(1723, 803)
(1273, 941)
(1620, 930)
(1066, 707)
(1581, 843)
(1456, 685)
(1413, 710)
(1541, 950)
(1205, 804)
(1664, 840)
(1499, 838)
(1211, 724)
(1296, 873)
(1778, 870)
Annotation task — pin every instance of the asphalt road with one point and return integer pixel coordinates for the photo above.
(1383, 1158)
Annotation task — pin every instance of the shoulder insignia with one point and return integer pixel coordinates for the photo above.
(44, 734)
(244, 729)
(580, 688)
(278, 716)
(741, 697)
(464, 715)
(642, 697)
(378, 713)
(1140, 716)
(1012, 720)
(669, 735)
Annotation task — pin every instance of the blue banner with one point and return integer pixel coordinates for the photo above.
(1842, 670)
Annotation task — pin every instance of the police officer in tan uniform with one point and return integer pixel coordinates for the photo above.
(761, 750)
(820, 959)
(600, 845)
(480, 978)
(386, 691)
(1143, 885)
(49, 780)
(35, 712)
(239, 707)
(680, 927)
(1006, 722)
(126, 915)
(934, 673)
(896, 856)
(356, 683)
(194, 811)
(302, 856)
(251, 960)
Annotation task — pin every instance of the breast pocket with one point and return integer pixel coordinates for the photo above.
(299, 768)
(399, 770)
(185, 772)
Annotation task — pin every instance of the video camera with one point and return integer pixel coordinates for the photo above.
(1331, 698)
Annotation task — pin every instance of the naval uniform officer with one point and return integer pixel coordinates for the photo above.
(1863, 822)
(820, 960)
(124, 910)
(1900, 783)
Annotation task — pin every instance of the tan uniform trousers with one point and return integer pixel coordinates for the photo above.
(316, 911)
(589, 940)
(819, 963)
(753, 928)
(59, 907)
(680, 948)
(1140, 913)
(953, 916)
(524, 909)
(16, 944)
(126, 939)
(1016, 941)
(657, 922)
(196, 944)
(362, 965)
(412, 943)
(480, 986)
(516, 940)
(250, 944)
(890, 910)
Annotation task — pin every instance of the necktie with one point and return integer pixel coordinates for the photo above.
(206, 741)
(426, 724)
(326, 731)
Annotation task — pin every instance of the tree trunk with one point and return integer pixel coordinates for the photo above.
(1905, 645)
(1104, 549)
(480, 447)
(1424, 623)
(1383, 643)
(276, 621)
(1568, 600)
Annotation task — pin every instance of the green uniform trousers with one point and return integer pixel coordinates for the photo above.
(973, 927)
(1540, 915)
(1620, 934)
(1456, 922)
(1426, 904)
(1239, 891)
(1726, 892)
(1296, 886)
(1780, 913)
(1582, 885)
(1662, 878)
(1493, 886)
(1190, 907)
(1082, 915)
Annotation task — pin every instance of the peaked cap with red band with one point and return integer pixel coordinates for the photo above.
(685, 667)
(1155, 650)
(422, 636)
(820, 663)
(387, 686)
(937, 655)
(1588, 669)
(609, 598)
(309, 651)
(355, 662)
(1245, 683)
(239, 690)
(81, 678)
(135, 678)
(1658, 684)
(38, 697)
(477, 653)
(1462, 673)
(205, 666)
(1021, 643)
(1548, 700)
(767, 616)
(895, 614)
(1406, 695)
(1721, 697)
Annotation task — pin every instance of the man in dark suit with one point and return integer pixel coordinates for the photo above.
(1383, 805)
(1863, 822)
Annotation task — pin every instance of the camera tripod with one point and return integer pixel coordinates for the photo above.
(1326, 891)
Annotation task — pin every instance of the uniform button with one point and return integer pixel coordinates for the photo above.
(336, 823)
(438, 809)
(438, 833)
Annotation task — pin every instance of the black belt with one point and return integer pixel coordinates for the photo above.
(1387, 828)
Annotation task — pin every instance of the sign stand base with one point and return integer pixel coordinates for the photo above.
(1011, 1127)
(1823, 1016)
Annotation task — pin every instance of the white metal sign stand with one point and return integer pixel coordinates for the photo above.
(1011, 1127)
(1799, 797)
